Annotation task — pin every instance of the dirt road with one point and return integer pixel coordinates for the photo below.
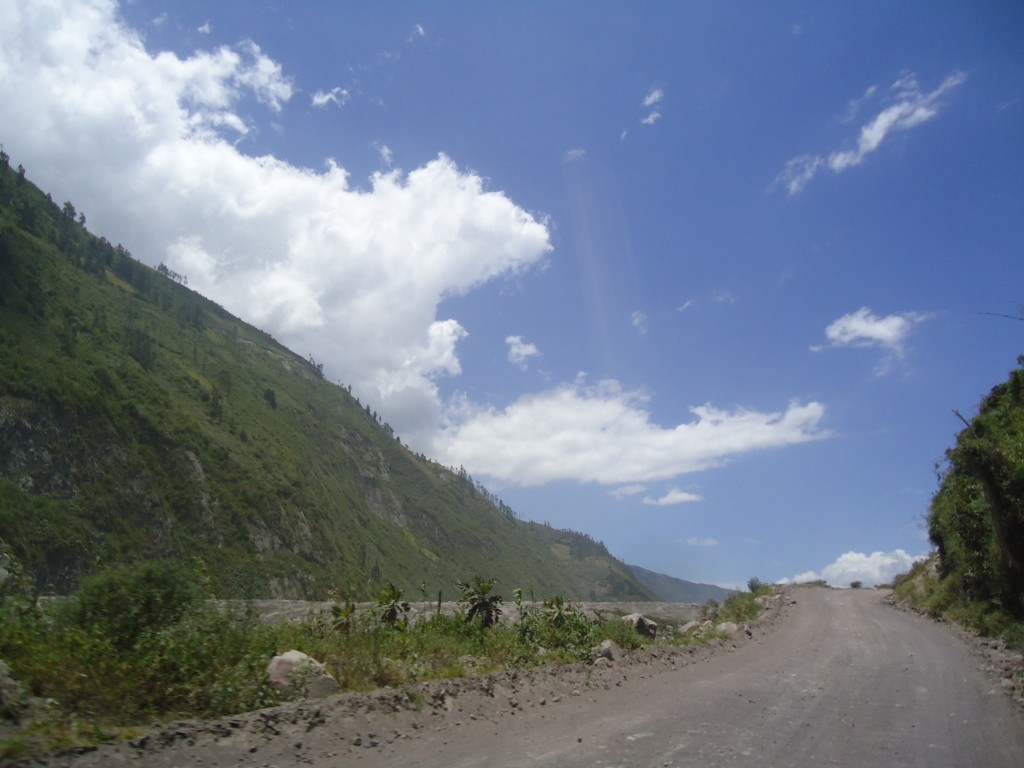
(843, 681)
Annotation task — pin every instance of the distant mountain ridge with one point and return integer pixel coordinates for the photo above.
(140, 420)
(673, 590)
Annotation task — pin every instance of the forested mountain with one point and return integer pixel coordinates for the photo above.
(140, 420)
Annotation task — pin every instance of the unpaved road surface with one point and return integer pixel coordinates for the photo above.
(840, 680)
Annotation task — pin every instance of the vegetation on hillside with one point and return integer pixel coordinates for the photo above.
(976, 521)
(139, 420)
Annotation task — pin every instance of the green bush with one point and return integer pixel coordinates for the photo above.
(624, 635)
(124, 602)
(559, 627)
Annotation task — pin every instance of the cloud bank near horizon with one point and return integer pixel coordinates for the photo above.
(870, 570)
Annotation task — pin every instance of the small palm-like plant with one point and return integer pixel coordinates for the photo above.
(394, 611)
(481, 605)
(342, 616)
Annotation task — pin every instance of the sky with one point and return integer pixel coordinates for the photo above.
(704, 280)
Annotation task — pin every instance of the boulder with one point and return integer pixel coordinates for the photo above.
(688, 627)
(609, 650)
(642, 625)
(296, 673)
(727, 628)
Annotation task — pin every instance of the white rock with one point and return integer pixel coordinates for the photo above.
(294, 671)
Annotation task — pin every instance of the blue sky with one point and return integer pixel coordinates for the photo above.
(703, 280)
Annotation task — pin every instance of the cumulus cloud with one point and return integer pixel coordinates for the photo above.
(673, 497)
(338, 96)
(871, 570)
(906, 107)
(602, 433)
(520, 351)
(864, 329)
(146, 142)
(205, 29)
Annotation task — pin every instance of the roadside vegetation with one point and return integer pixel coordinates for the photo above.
(136, 645)
(976, 523)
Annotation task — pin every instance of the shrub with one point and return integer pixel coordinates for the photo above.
(123, 602)
(624, 635)
(560, 627)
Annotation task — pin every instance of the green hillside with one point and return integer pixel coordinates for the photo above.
(977, 516)
(140, 420)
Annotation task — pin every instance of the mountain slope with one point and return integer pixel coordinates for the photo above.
(140, 420)
(673, 590)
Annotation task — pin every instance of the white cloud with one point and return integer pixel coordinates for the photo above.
(854, 105)
(144, 143)
(386, 155)
(863, 329)
(650, 102)
(723, 297)
(687, 305)
(205, 29)
(602, 433)
(572, 155)
(693, 541)
(673, 497)
(520, 351)
(628, 490)
(639, 322)
(264, 76)
(417, 32)
(908, 109)
(338, 96)
(654, 97)
(871, 570)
